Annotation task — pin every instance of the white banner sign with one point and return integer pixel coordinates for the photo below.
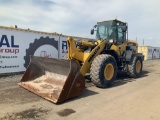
(153, 53)
(63, 48)
(17, 46)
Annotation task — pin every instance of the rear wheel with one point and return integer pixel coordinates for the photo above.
(103, 70)
(135, 68)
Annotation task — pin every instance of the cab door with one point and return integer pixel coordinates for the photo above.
(120, 44)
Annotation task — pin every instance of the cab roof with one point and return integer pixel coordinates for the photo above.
(111, 20)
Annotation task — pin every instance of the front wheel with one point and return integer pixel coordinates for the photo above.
(103, 70)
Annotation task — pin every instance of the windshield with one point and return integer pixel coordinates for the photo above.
(106, 30)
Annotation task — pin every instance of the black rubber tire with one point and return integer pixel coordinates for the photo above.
(131, 69)
(36, 44)
(97, 70)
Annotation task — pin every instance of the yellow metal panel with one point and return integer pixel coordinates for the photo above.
(81, 56)
(144, 51)
(96, 51)
(119, 49)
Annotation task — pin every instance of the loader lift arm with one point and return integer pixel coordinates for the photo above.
(84, 57)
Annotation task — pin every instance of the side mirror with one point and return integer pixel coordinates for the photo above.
(124, 28)
(92, 31)
(95, 26)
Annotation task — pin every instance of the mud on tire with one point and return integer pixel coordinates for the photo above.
(97, 69)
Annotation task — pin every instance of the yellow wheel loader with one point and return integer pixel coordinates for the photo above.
(60, 79)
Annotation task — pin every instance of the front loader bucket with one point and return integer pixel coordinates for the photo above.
(53, 79)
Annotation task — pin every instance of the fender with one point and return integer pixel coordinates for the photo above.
(138, 55)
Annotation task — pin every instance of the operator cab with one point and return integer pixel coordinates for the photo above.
(114, 31)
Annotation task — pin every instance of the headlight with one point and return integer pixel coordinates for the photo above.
(111, 41)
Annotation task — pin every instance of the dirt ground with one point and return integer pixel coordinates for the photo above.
(127, 99)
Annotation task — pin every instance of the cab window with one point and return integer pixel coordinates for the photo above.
(120, 36)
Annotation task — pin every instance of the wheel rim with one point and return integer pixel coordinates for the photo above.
(138, 66)
(108, 71)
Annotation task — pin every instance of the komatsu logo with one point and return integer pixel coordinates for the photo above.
(7, 45)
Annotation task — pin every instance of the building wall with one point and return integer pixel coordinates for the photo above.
(17, 45)
(149, 52)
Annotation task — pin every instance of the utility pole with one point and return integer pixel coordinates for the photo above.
(143, 42)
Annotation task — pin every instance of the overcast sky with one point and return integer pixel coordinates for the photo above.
(77, 17)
